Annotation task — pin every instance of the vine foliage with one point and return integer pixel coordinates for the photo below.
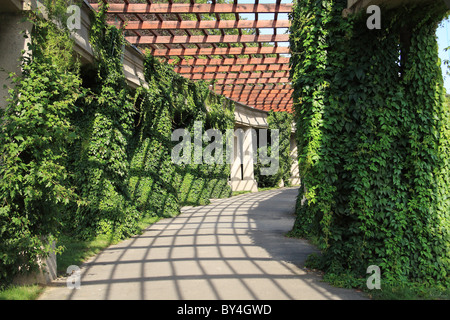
(373, 140)
(99, 158)
(83, 154)
(35, 132)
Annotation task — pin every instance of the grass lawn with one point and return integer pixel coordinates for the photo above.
(413, 292)
(21, 292)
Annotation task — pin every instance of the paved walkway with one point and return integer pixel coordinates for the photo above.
(231, 249)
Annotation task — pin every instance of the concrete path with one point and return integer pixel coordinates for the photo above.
(231, 249)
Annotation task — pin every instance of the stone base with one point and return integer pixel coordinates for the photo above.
(244, 185)
(295, 181)
(45, 274)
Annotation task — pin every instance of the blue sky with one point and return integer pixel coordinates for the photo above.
(443, 35)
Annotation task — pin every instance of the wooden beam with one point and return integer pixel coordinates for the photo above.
(270, 105)
(237, 91)
(204, 24)
(249, 75)
(266, 101)
(261, 93)
(220, 51)
(241, 68)
(254, 88)
(256, 103)
(276, 109)
(178, 8)
(252, 81)
(268, 95)
(248, 38)
(228, 61)
(282, 107)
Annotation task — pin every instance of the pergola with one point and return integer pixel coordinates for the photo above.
(243, 59)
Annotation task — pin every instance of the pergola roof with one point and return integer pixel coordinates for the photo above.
(213, 42)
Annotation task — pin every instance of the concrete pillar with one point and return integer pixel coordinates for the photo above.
(12, 43)
(295, 174)
(46, 273)
(242, 174)
(248, 173)
(236, 165)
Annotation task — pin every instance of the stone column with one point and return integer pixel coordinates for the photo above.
(46, 273)
(12, 43)
(242, 174)
(236, 165)
(295, 174)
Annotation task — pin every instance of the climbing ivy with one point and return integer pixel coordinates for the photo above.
(373, 141)
(99, 155)
(170, 102)
(153, 179)
(35, 133)
(83, 154)
(122, 156)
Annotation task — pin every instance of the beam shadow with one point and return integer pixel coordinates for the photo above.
(231, 249)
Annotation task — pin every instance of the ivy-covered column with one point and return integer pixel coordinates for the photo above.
(35, 135)
(373, 141)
